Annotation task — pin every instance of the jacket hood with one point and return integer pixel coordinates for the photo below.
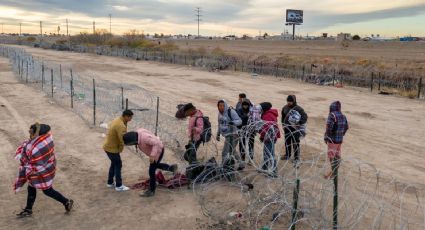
(271, 113)
(292, 98)
(226, 107)
(335, 106)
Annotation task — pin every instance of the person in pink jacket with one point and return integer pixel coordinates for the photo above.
(152, 146)
(194, 130)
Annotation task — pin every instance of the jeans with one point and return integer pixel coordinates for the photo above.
(115, 169)
(32, 194)
(269, 157)
(292, 143)
(228, 155)
(153, 167)
(243, 147)
(193, 149)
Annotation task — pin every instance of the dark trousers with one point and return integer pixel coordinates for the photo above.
(153, 167)
(292, 144)
(243, 147)
(115, 169)
(32, 194)
(193, 145)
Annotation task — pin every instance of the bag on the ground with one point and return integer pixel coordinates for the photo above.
(202, 172)
(206, 132)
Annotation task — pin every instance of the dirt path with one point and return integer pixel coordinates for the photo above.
(81, 174)
(386, 131)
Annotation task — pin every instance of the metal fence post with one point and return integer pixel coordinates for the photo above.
(335, 166)
(157, 115)
(94, 102)
(26, 75)
(295, 204)
(72, 89)
(42, 76)
(371, 82)
(60, 73)
(419, 87)
(51, 80)
(126, 104)
(122, 98)
(379, 81)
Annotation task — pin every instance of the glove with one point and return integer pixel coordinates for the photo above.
(217, 137)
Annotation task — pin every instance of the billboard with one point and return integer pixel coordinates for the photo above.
(294, 16)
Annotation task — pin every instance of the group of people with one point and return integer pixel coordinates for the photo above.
(238, 125)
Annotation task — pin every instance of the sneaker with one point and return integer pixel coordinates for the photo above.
(110, 185)
(147, 193)
(24, 213)
(69, 205)
(173, 168)
(122, 188)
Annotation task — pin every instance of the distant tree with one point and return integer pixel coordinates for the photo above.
(356, 37)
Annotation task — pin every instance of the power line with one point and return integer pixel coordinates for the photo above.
(198, 16)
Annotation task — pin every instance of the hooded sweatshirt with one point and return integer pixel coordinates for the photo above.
(244, 113)
(149, 144)
(286, 109)
(270, 130)
(199, 126)
(224, 128)
(336, 124)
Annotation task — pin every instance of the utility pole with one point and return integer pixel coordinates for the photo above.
(110, 23)
(41, 32)
(198, 16)
(20, 29)
(94, 27)
(67, 34)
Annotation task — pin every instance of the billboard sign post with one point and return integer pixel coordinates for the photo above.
(293, 18)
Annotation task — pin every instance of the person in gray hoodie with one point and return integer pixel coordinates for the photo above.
(228, 120)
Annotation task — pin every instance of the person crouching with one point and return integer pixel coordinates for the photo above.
(152, 146)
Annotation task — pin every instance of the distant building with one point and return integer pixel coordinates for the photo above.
(343, 37)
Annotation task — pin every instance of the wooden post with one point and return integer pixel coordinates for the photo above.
(51, 80)
(379, 81)
(371, 82)
(60, 73)
(157, 115)
(126, 103)
(302, 78)
(295, 204)
(419, 87)
(72, 89)
(334, 77)
(94, 102)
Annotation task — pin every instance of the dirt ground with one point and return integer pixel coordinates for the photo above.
(385, 131)
(390, 57)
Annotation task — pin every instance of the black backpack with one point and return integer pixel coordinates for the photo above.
(206, 132)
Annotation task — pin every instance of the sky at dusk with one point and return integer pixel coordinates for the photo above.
(220, 17)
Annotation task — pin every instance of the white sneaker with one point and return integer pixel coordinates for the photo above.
(122, 188)
(110, 185)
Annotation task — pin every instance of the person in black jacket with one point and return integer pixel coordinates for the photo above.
(247, 132)
(293, 116)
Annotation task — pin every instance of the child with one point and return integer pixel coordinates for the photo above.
(336, 127)
(269, 135)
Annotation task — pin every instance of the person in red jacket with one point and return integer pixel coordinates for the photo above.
(268, 135)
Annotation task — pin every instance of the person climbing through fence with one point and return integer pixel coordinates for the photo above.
(241, 98)
(268, 135)
(37, 167)
(152, 146)
(113, 146)
(336, 128)
(228, 120)
(247, 131)
(293, 120)
(196, 131)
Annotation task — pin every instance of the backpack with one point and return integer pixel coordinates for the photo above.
(206, 132)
